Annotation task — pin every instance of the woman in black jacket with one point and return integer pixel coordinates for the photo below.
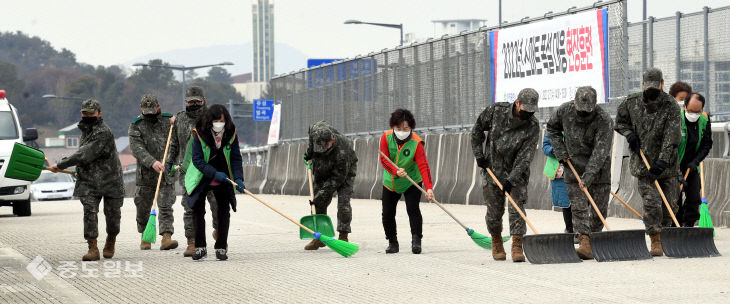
(216, 159)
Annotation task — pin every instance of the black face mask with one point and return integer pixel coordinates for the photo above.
(583, 114)
(89, 120)
(524, 115)
(150, 116)
(651, 94)
(193, 108)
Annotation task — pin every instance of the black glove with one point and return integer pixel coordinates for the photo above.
(563, 162)
(507, 187)
(634, 143)
(587, 179)
(657, 169)
(693, 165)
(221, 177)
(682, 181)
(482, 162)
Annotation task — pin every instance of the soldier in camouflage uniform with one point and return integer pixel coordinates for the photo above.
(334, 165)
(583, 133)
(147, 139)
(651, 122)
(510, 147)
(183, 126)
(99, 176)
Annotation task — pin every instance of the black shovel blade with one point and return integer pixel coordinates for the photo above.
(551, 248)
(619, 245)
(688, 242)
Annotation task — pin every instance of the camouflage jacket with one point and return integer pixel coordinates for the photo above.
(658, 126)
(183, 127)
(587, 142)
(97, 162)
(510, 144)
(147, 139)
(332, 168)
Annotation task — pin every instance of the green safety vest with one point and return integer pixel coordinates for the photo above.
(702, 124)
(193, 176)
(403, 157)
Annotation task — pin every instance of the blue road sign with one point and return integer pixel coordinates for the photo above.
(262, 109)
(315, 62)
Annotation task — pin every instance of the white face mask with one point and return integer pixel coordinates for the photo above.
(402, 135)
(692, 117)
(218, 126)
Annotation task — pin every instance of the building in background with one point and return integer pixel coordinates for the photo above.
(455, 26)
(247, 88)
(263, 40)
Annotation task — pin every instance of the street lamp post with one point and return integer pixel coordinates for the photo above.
(52, 96)
(182, 69)
(390, 25)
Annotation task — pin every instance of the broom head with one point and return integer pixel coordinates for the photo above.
(150, 232)
(343, 248)
(705, 219)
(483, 240)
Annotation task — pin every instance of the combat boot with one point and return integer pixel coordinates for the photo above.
(314, 245)
(584, 250)
(517, 255)
(343, 237)
(93, 254)
(167, 243)
(392, 246)
(191, 247)
(656, 245)
(416, 244)
(498, 253)
(145, 246)
(109, 246)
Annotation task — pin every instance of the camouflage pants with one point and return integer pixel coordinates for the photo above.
(344, 210)
(143, 198)
(188, 216)
(112, 213)
(655, 213)
(495, 200)
(585, 219)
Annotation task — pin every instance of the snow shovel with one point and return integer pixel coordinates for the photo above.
(552, 248)
(684, 242)
(610, 246)
(25, 163)
(317, 222)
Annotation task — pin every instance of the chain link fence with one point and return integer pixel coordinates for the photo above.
(445, 82)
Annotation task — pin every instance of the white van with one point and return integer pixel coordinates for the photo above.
(13, 192)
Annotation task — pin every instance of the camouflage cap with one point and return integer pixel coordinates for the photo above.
(321, 136)
(585, 99)
(149, 104)
(90, 106)
(652, 78)
(528, 98)
(194, 93)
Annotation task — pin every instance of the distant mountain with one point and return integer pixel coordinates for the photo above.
(287, 58)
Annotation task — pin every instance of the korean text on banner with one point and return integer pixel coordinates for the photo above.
(274, 128)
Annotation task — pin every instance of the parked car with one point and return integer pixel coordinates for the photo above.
(13, 192)
(52, 186)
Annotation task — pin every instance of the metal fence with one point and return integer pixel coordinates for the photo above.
(445, 81)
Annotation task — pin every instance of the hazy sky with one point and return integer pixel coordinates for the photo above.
(112, 32)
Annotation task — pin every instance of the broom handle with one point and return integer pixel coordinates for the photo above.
(425, 192)
(627, 205)
(685, 178)
(656, 183)
(164, 159)
(62, 171)
(311, 189)
(275, 210)
(590, 198)
(702, 177)
(522, 214)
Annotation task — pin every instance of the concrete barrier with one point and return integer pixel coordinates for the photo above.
(466, 172)
(717, 190)
(276, 171)
(253, 176)
(447, 167)
(376, 188)
(296, 171)
(367, 166)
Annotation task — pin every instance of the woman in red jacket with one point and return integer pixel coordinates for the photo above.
(406, 150)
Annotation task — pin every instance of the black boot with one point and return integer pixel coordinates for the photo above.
(392, 246)
(416, 244)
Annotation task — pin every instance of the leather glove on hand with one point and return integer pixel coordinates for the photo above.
(239, 185)
(634, 143)
(657, 169)
(682, 181)
(482, 163)
(693, 166)
(507, 187)
(221, 177)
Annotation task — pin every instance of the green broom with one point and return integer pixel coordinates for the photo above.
(345, 249)
(705, 218)
(478, 238)
(150, 232)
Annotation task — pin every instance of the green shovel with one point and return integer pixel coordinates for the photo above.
(317, 222)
